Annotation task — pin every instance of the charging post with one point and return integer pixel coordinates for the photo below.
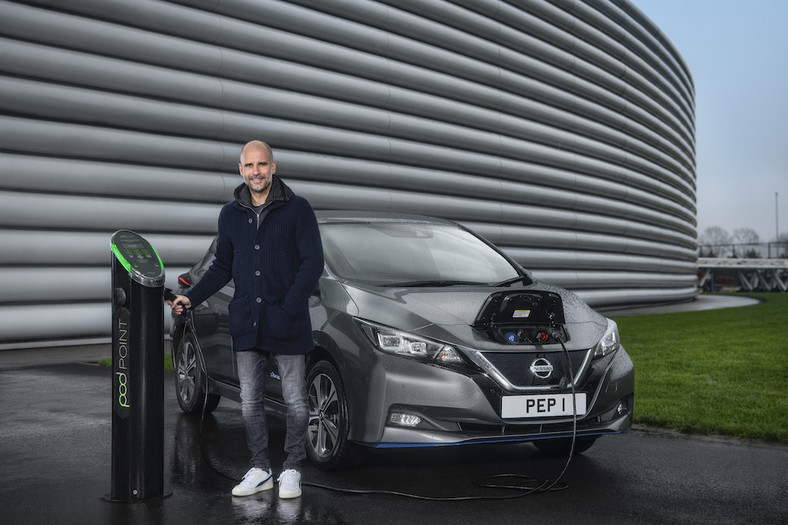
(137, 369)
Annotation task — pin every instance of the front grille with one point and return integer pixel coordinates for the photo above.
(515, 367)
(530, 428)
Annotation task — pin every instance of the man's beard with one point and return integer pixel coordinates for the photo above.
(266, 185)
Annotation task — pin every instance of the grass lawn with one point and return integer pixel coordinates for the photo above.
(721, 372)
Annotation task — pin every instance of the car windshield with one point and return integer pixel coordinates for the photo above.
(411, 254)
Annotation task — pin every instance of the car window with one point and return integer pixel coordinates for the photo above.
(205, 262)
(402, 252)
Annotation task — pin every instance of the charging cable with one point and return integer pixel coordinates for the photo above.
(523, 484)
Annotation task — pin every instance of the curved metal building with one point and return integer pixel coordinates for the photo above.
(561, 130)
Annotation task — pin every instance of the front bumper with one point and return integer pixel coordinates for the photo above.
(455, 409)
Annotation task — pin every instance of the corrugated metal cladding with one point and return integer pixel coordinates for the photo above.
(561, 130)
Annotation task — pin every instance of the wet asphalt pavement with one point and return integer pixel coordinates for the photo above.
(55, 454)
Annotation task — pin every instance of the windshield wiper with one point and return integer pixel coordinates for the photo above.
(513, 280)
(427, 283)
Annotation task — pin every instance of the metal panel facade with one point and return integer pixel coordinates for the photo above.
(561, 130)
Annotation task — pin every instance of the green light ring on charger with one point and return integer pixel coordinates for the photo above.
(119, 256)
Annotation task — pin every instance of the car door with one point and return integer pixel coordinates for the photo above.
(211, 325)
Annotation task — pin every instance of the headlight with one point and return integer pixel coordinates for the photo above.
(404, 344)
(610, 342)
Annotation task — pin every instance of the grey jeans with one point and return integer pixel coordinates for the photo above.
(252, 372)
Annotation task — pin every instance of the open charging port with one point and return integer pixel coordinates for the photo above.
(523, 318)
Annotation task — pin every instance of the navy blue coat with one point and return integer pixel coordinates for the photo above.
(275, 268)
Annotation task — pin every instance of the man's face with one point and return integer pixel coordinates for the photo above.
(257, 169)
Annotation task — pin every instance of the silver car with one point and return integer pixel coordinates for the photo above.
(426, 334)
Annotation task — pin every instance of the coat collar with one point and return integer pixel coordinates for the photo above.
(279, 192)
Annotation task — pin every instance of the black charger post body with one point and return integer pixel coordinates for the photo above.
(137, 369)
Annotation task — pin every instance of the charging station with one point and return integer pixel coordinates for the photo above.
(137, 369)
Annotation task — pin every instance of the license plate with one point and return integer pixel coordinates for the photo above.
(542, 405)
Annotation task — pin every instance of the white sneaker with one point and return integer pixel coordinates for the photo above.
(289, 484)
(254, 481)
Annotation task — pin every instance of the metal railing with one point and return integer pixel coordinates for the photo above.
(745, 274)
(759, 250)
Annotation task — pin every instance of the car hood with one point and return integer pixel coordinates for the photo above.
(448, 314)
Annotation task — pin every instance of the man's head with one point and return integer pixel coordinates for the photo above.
(257, 168)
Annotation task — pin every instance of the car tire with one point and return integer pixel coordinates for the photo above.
(327, 443)
(561, 446)
(190, 378)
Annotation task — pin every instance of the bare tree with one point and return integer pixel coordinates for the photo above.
(745, 236)
(745, 240)
(716, 241)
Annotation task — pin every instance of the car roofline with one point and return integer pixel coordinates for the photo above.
(359, 216)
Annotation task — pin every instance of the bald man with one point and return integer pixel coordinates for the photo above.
(269, 244)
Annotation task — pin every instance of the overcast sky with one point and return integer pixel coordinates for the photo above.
(737, 53)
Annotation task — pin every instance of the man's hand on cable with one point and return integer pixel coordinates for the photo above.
(180, 304)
